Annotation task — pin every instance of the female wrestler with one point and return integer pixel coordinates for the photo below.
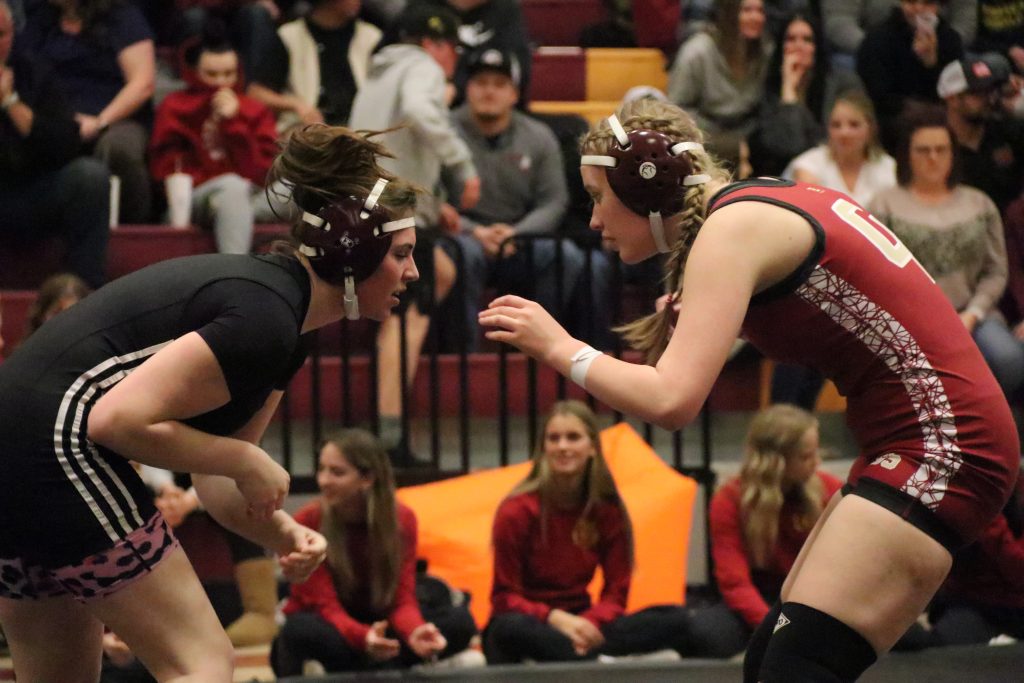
(179, 366)
(807, 276)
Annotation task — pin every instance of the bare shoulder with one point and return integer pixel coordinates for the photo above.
(776, 240)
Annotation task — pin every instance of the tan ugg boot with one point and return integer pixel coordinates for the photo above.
(257, 585)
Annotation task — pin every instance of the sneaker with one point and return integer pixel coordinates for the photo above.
(467, 659)
(312, 667)
(1003, 639)
(666, 655)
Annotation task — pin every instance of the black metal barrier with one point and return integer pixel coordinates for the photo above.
(352, 346)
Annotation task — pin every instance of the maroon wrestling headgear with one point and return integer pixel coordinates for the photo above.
(645, 169)
(346, 240)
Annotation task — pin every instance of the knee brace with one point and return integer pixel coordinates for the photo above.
(809, 646)
(758, 644)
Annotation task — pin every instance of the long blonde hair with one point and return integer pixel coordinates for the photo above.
(367, 455)
(773, 438)
(650, 334)
(597, 487)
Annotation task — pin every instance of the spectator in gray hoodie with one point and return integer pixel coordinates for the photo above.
(407, 87)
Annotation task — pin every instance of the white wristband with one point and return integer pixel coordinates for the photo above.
(581, 361)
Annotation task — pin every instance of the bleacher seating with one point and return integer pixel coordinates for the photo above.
(559, 73)
(559, 22)
(610, 72)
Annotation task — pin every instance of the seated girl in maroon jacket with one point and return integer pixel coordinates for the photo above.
(358, 610)
(550, 535)
(222, 138)
(759, 521)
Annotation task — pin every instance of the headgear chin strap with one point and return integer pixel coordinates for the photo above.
(645, 168)
(347, 240)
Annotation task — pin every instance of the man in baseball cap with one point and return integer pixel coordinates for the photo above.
(988, 143)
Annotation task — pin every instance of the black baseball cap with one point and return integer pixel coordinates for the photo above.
(418, 20)
(494, 59)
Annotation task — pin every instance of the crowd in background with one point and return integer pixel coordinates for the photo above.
(913, 108)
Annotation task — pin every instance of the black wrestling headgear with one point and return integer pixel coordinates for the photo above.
(647, 172)
(347, 240)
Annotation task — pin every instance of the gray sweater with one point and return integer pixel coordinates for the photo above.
(522, 181)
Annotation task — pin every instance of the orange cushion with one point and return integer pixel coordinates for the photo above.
(455, 518)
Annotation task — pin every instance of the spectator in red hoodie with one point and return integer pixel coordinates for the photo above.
(225, 140)
(759, 521)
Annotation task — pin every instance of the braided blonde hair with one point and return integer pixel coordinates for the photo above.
(650, 334)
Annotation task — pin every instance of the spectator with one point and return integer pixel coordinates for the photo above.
(1012, 303)
(983, 597)
(252, 26)
(759, 521)
(955, 232)
(405, 91)
(225, 140)
(489, 24)
(523, 192)
(1001, 29)
(57, 293)
(358, 610)
(847, 22)
(44, 189)
(104, 54)
(718, 76)
(801, 89)
(900, 59)
(990, 146)
(851, 161)
(551, 533)
(326, 59)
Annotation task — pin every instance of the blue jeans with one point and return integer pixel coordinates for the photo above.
(1004, 354)
(532, 272)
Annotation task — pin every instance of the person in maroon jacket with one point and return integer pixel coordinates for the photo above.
(225, 140)
(550, 535)
(759, 521)
(359, 609)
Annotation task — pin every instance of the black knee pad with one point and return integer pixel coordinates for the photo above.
(809, 646)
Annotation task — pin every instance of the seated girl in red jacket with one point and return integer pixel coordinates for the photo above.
(550, 535)
(759, 521)
(358, 610)
(222, 138)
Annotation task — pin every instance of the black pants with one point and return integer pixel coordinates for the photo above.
(513, 637)
(73, 203)
(966, 623)
(306, 635)
(715, 631)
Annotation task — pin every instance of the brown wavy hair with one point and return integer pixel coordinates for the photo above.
(319, 164)
(366, 454)
(650, 334)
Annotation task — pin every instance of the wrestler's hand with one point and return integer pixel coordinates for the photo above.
(263, 483)
(308, 550)
(525, 325)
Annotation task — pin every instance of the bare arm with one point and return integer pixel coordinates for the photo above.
(720, 279)
(141, 418)
(138, 65)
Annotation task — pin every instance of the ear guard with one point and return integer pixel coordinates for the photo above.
(347, 240)
(646, 170)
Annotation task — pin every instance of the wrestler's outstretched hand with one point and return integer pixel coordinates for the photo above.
(309, 549)
(524, 324)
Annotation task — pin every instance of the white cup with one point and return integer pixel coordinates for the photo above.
(115, 200)
(179, 199)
